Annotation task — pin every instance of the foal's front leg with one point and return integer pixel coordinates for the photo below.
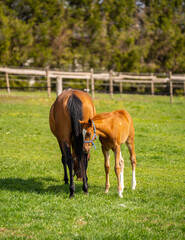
(107, 167)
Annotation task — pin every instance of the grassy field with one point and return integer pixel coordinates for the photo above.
(34, 201)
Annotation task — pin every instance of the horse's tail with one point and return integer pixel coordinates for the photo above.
(74, 106)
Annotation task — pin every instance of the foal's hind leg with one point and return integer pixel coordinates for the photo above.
(107, 168)
(121, 163)
(118, 170)
(130, 145)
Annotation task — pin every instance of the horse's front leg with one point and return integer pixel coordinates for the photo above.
(85, 179)
(68, 155)
(107, 167)
(118, 170)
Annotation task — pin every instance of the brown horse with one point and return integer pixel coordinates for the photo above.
(70, 107)
(114, 129)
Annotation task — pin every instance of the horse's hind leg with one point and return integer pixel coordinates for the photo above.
(68, 155)
(65, 168)
(64, 162)
(107, 168)
(130, 145)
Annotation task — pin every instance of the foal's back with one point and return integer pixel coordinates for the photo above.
(117, 125)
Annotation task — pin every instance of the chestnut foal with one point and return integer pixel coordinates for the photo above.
(114, 128)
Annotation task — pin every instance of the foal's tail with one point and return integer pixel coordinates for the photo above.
(74, 106)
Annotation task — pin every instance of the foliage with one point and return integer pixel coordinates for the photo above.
(35, 201)
(137, 36)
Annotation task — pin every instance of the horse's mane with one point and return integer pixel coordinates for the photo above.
(74, 106)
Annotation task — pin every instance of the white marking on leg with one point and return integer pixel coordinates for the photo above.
(133, 180)
(121, 181)
(122, 172)
(120, 194)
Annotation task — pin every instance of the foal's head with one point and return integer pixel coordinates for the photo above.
(89, 134)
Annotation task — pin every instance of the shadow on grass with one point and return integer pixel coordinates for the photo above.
(37, 185)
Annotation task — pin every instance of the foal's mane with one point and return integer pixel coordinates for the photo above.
(101, 116)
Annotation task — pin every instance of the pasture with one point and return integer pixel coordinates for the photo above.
(34, 201)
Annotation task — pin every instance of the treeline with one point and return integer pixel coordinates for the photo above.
(122, 35)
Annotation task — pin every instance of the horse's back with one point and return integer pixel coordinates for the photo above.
(88, 107)
(60, 121)
(52, 120)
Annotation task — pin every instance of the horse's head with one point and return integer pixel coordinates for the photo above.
(89, 134)
(78, 168)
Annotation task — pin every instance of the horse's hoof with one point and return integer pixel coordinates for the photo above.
(85, 189)
(71, 195)
(86, 193)
(66, 181)
(106, 190)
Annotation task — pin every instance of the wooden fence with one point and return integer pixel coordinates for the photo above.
(111, 78)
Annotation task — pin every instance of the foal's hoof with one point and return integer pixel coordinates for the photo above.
(120, 194)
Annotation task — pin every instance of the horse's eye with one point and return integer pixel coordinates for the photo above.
(88, 134)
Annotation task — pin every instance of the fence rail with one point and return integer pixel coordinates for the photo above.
(111, 78)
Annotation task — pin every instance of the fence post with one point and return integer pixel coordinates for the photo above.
(171, 87)
(152, 85)
(7, 83)
(59, 86)
(121, 87)
(111, 84)
(48, 82)
(87, 85)
(92, 83)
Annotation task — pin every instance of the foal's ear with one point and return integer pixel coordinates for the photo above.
(82, 122)
(90, 122)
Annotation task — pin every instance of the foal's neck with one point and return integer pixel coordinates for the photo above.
(100, 127)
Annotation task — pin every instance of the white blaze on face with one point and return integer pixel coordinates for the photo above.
(84, 132)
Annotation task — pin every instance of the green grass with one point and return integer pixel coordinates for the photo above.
(34, 201)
